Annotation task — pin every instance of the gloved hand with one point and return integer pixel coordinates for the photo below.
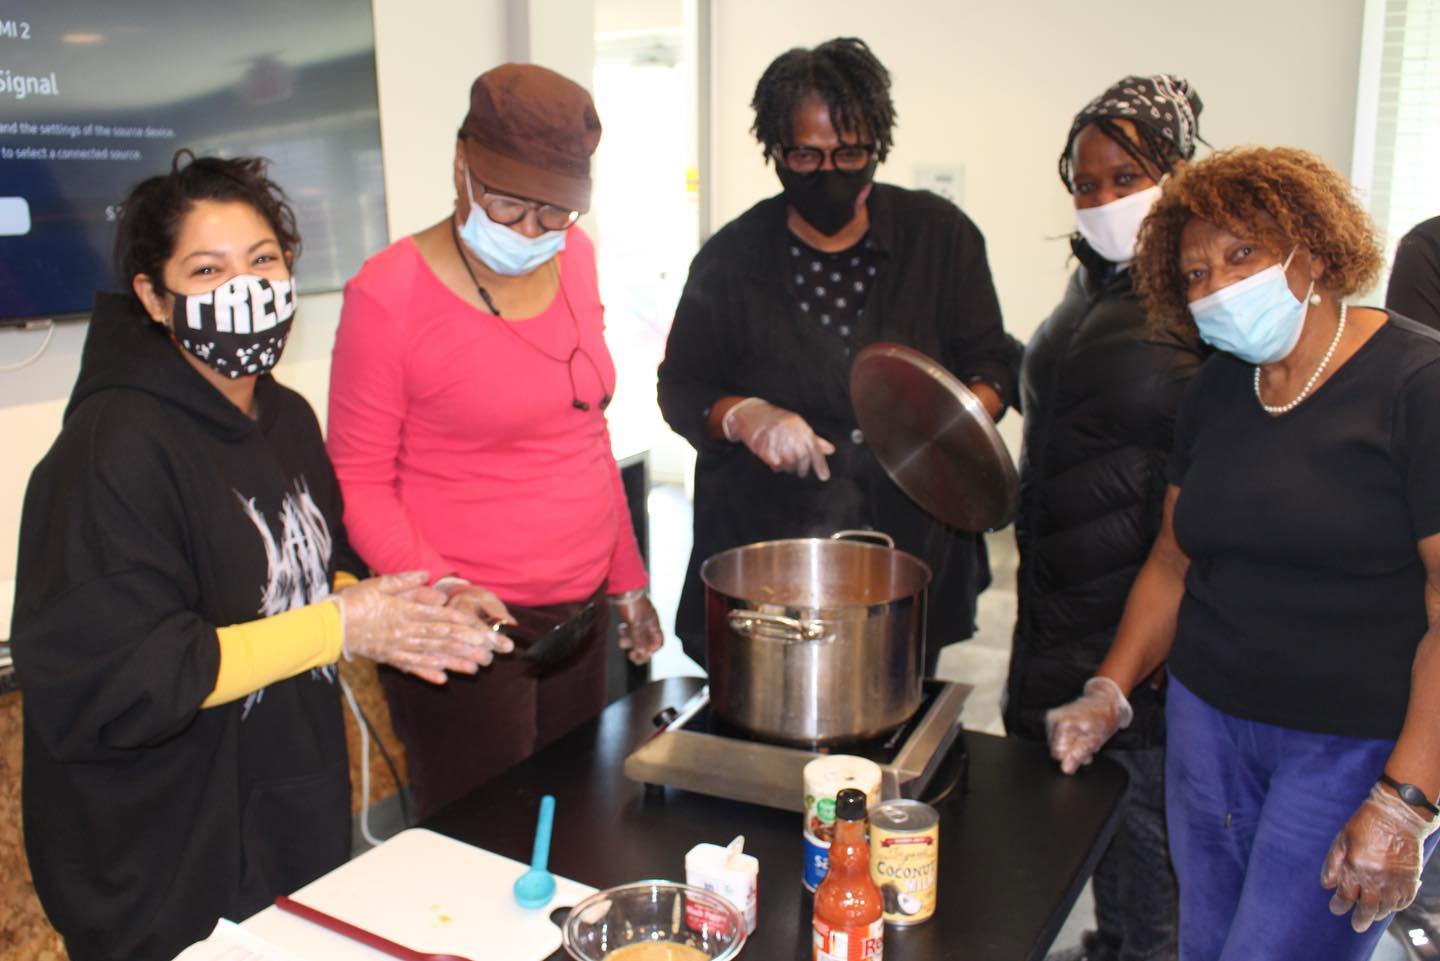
(1078, 729)
(779, 437)
(639, 625)
(487, 609)
(1374, 862)
(396, 620)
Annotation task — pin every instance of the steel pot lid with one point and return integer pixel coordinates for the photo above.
(933, 437)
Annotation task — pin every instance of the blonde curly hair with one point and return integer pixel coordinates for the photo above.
(1278, 196)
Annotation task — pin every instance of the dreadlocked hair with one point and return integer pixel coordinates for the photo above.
(1153, 152)
(853, 84)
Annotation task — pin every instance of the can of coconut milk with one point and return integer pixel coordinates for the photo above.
(905, 859)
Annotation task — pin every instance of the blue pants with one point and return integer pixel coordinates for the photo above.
(1252, 809)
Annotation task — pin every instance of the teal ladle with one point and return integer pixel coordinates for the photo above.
(536, 887)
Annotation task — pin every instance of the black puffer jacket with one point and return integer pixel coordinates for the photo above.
(1100, 389)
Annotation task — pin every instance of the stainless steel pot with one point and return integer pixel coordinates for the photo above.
(815, 641)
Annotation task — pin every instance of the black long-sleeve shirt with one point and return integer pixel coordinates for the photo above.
(739, 330)
(1414, 289)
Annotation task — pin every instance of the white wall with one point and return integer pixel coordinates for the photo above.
(425, 64)
(988, 85)
(993, 86)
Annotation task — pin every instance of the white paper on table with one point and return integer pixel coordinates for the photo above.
(428, 892)
(230, 942)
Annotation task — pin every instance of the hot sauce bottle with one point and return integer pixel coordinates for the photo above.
(849, 911)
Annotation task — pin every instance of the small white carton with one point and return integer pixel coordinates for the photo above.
(728, 872)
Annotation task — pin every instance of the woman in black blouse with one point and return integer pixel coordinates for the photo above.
(756, 370)
(1295, 586)
(1414, 288)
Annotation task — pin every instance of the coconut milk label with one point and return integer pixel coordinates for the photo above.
(905, 859)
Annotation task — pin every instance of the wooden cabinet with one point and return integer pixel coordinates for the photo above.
(25, 935)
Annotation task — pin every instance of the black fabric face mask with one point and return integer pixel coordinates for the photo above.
(825, 199)
(240, 327)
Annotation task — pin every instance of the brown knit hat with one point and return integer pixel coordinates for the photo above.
(530, 132)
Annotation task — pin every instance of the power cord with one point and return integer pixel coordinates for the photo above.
(400, 792)
(367, 731)
(49, 326)
(364, 765)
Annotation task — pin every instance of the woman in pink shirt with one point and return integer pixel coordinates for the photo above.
(467, 426)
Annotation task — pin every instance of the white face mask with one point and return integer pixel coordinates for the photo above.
(1111, 229)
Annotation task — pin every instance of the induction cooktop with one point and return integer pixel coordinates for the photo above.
(694, 750)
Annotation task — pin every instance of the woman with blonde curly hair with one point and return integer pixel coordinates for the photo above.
(1294, 589)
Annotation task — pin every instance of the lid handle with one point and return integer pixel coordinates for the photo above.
(879, 537)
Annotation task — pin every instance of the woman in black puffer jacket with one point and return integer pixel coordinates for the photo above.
(1100, 387)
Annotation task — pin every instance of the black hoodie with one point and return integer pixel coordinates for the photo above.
(160, 513)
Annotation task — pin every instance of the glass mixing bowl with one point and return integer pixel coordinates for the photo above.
(659, 911)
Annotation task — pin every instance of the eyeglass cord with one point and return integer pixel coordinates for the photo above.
(569, 359)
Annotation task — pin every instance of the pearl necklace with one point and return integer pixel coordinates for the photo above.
(1309, 384)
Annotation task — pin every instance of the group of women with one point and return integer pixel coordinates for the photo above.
(191, 562)
(192, 566)
(1290, 602)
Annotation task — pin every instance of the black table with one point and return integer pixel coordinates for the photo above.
(1017, 843)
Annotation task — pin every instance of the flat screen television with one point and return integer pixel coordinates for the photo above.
(96, 95)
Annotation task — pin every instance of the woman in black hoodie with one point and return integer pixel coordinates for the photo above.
(1100, 387)
(185, 588)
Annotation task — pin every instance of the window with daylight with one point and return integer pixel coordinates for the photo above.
(1397, 129)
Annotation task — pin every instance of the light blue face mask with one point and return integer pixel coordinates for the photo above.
(505, 251)
(1257, 319)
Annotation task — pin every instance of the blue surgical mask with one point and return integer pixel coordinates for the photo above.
(1257, 319)
(505, 251)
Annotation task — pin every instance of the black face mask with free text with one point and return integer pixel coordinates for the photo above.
(825, 199)
(240, 327)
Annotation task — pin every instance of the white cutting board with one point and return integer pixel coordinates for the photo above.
(427, 892)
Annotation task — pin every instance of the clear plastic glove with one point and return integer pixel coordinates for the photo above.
(779, 437)
(1078, 729)
(638, 625)
(397, 620)
(1374, 863)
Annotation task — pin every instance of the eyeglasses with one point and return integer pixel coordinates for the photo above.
(508, 211)
(847, 156)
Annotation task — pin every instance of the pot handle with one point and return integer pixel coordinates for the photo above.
(879, 537)
(745, 622)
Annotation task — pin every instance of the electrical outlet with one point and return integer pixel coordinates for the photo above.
(947, 180)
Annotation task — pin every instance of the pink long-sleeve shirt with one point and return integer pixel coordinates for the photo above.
(456, 440)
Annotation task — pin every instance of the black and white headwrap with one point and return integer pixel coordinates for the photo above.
(1164, 109)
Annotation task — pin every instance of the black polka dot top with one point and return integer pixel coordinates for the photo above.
(831, 288)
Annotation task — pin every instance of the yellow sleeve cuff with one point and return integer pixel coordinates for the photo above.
(343, 579)
(257, 653)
